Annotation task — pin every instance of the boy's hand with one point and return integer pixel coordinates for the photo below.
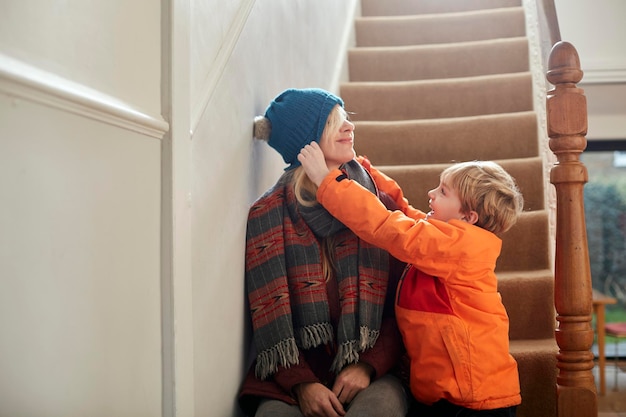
(312, 159)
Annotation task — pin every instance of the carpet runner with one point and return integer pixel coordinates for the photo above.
(433, 82)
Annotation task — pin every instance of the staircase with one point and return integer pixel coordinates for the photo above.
(432, 82)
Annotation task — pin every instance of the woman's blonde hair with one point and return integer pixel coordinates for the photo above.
(305, 191)
(304, 188)
(486, 188)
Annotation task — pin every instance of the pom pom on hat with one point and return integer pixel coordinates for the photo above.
(262, 128)
(295, 118)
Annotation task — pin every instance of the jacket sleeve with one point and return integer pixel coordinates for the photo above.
(296, 374)
(389, 186)
(433, 246)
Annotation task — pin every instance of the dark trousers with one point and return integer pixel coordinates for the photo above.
(444, 408)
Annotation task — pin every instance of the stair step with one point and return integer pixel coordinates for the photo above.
(431, 99)
(403, 7)
(509, 135)
(440, 28)
(420, 62)
(437, 81)
(536, 361)
(533, 315)
(526, 246)
(417, 180)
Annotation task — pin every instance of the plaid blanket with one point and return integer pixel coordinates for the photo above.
(286, 286)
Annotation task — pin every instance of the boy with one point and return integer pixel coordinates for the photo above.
(449, 312)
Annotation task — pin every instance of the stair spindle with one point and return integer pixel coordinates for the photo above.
(567, 127)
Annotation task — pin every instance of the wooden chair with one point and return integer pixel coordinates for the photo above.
(618, 331)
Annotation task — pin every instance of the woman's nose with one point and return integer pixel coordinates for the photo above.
(348, 126)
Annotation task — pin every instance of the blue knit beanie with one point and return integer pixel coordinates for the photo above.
(297, 117)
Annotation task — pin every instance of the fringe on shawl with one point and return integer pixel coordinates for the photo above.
(284, 353)
(348, 352)
(315, 335)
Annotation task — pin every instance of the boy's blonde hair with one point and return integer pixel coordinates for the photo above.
(486, 188)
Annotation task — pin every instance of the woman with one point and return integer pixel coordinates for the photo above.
(321, 299)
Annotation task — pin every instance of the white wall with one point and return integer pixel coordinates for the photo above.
(111, 46)
(80, 221)
(79, 266)
(596, 29)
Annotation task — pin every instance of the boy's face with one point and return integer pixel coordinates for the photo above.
(445, 204)
(338, 144)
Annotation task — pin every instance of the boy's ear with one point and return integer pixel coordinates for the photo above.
(471, 217)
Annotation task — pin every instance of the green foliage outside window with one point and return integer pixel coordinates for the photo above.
(605, 215)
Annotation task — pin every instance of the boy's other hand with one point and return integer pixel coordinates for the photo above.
(312, 159)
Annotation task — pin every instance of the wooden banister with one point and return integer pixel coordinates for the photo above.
(548, 24)
(547, 9)
(567, 127)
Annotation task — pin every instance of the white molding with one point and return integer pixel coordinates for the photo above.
(221, 61)
(537, 66)
(177, 312)
(347, 41)
(30, 83)
(603, 76)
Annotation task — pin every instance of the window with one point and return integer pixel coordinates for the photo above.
(605, 217)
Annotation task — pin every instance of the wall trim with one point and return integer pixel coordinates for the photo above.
(347, 42)
(538, 68)
(22, 80)
(603, 76)
(221, 61)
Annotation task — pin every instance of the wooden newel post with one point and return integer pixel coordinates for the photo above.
(567, 127)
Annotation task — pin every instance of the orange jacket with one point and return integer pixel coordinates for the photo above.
(449, 312)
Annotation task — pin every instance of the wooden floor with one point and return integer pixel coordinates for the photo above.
(613, 403)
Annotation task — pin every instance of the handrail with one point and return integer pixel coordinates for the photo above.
(549, 30)
(551, 21)
(566, 108)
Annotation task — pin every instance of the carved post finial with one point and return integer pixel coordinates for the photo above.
(564, 64)
(566, 104)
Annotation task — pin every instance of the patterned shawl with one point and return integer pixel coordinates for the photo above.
(286, 286)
